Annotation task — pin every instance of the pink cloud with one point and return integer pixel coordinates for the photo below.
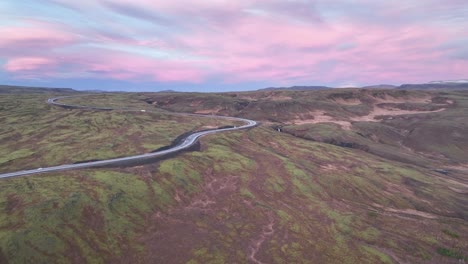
(243, 41)
(34, 36)
(104, 64)
(120, 65)
(28, 64)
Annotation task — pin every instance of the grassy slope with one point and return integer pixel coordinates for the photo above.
(34, 134)
(324, 205)
(276, 106)
(252, 195)
(402, 138)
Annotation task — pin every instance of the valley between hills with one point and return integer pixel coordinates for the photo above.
(329, 176)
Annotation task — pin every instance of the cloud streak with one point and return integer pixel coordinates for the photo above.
(274, 42)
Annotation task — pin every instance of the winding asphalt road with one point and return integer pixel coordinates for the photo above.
(183, 144)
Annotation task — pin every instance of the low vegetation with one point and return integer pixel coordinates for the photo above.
(298, 195)
(34, 134)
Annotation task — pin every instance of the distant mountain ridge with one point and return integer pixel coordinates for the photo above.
(461, 84)
(20, 89)
(450, 81)
(296, 88)
(380, 86)
(167, 91)
(436, 86)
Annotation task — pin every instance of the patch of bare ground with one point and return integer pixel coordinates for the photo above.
(196, 103)
(270, 97)
(390, 99)
(460, 167)
(278, 98)
(388, 111)
(460, 184)
(457, 186)
(321, 117)
(457, 183)
(352, 101)
(457, 190)
(400, 189)
(392, 255)
(412, 212)
(209, 111)
(408, 211)
(248, 98)
(332, 167)
(267, 231)
(444, 103)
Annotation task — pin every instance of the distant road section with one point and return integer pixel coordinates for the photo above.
(183, 144)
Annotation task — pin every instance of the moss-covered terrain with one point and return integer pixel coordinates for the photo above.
(298, 195)
(34, 134)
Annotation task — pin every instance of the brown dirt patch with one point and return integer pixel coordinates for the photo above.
(460, 191)
(407, 211)
(13, 203)
(93, 218)
(278, 98)
(459, 184)
(196, 103)
(322, 117)
(353, 101)
(388, 111)
(398, 189)
(332, 167)
(390, 99)
(248, 98)
(460, 167)
(209, 111)
(411, 212)
(254, 247)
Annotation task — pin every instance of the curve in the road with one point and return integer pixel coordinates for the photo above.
(183, 144)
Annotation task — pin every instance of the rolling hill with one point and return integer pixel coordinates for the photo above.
(330, 176)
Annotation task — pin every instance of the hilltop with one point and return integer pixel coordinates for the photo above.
(296, 88)
(436, 86)
(14, 89)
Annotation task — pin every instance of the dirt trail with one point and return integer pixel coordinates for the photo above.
(256, 244)
(412, 212)
(460, 167)
(378, 111)
(407, 212)
(323, 117)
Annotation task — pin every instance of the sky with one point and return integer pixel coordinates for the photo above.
(226, 45)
